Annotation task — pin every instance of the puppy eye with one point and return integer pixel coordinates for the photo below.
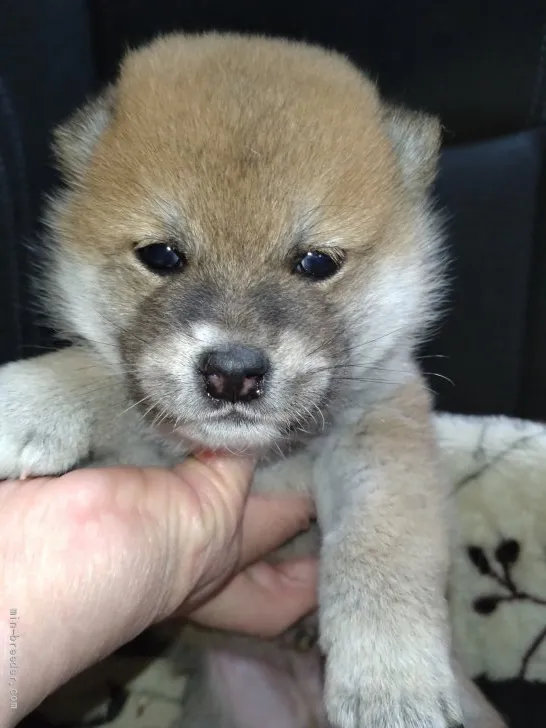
(317, 265)
(161, 257)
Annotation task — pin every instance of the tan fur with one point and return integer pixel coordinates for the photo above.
(156, 141)
(154, 169)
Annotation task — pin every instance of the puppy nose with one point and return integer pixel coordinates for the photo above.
(234, 373)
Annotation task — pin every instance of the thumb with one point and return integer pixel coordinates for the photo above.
(219, 485)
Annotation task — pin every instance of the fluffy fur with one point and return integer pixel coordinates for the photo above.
(246, 153)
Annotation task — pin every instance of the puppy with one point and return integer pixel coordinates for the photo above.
(244, 257)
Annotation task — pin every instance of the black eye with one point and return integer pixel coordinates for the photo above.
(161, 257)
(317, 265)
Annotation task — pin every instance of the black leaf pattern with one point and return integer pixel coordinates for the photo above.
(506, 555)
(477, 556)
(486, 605)
(507, 552)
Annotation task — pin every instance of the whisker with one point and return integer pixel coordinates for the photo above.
(153, 405)
(335, 367)
(135, 404)
(440, 376)
(41, 347)
(321, 413)
(366, 380)
(311, 415)
(132, 334)
(357, 345)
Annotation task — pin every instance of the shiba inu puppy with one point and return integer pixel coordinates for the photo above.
(244, 257)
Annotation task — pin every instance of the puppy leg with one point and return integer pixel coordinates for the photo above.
(384, 623)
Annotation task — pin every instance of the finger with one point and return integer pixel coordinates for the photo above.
(263, 600)
(269, 522)
(231, 472)
(218, 481)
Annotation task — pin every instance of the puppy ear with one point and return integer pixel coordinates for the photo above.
(416, 138)
(75, 139)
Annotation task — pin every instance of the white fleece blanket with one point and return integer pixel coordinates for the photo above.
(497, 588)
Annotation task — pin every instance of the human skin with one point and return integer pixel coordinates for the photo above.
(92, 558)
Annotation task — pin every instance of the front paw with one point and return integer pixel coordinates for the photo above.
(387, 680)
(27, 450)
(41, 433)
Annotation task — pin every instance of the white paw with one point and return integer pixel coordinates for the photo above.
(26, 452)
(388, 682)
(41, 431)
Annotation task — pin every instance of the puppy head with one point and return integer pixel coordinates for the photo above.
(244, 233)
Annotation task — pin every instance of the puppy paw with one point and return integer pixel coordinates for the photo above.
(31, 452)
(390, 682)
(41, 432)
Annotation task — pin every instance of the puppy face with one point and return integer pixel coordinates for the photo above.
(244, 234)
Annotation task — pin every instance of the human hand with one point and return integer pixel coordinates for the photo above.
(92, 558)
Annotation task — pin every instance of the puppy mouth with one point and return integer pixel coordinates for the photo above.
(236, 418)
(232, 418)
(254, 426)
(230, 430)
(231, 433)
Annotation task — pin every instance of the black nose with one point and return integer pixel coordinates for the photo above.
(234, 373)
